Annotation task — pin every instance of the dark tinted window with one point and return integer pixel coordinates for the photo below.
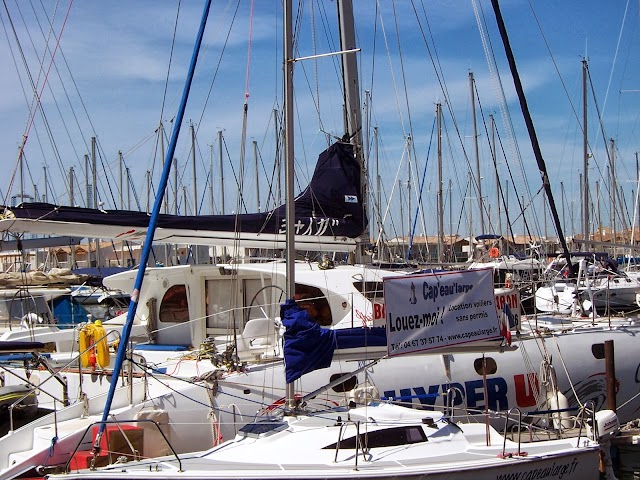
(370, 290)
(491, 365)
(389, 437)
(174, 307)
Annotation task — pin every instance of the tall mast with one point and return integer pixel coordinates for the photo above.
(531, 130)
(193, 169)
(495, 169)
(255, 157)
(440, 183)
(288, 157)
(585, 149)
(614, 188)
(222, 209)
(153, 222)
(477, 153)
(353, 117)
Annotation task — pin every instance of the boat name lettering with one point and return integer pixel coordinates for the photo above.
(554, 471)
(310, 225)
(431, 292)
(499, 392)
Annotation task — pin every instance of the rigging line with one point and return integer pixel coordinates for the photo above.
(530, 196)
(388, 209)
(47, 39)
(66, 94)
(28, 72)
(502, 193)
(419, 196)
(404, 79)
(39, 96)
(391, 71)
(314, 49)
(73, 110)
(499, 90)
(415, 172)
(435, 62)
(173, 44)
(218, 65)
(614, 194)
(615, 57)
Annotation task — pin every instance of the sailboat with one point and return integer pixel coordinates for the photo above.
(372, 439)
(599, 286)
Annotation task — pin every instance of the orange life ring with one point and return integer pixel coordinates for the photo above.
(494, 252)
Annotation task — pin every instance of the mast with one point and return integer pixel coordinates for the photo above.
(353, 117)
(477, 153)
(222, 210)
(494, 158)
(45, 194)
(614, 188)
(72, 200)
(288, 157)
(530, 128)
(120, 177)
(255, 156)
(440, 183)
(193, 169)
(153, 222)
(585, 151)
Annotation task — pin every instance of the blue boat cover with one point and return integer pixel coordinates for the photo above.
(309, 347)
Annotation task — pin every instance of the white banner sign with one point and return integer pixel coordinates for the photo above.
(436, 311)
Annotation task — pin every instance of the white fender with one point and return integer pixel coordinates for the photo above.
(558, 401)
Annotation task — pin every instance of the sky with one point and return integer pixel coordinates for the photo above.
(115, 70)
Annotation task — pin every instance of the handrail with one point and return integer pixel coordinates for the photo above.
(504, 432)
(118, 423)
(589, 407)
(54, 374)
(452, 405)
(359, 445)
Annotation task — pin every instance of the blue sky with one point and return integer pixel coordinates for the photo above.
(111, 67)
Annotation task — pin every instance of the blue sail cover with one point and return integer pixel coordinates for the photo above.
(309, 347)
(330, 207)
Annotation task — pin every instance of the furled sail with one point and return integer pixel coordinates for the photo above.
(329, 216)
(308, 346)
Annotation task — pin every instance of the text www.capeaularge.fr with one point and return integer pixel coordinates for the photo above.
(554, 471)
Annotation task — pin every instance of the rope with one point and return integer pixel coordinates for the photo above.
(54, 440)
(564, 366)
(44, 83)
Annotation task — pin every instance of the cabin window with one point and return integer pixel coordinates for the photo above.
(315, 303)
(389, 437)
(371, 290)
(219, 295)
(492, 367)
(174, 307)
(346, 386)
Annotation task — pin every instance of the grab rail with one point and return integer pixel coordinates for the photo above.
(504, 433)
(358, 441)
(450, 402)
(62, 380)
(590, 408)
